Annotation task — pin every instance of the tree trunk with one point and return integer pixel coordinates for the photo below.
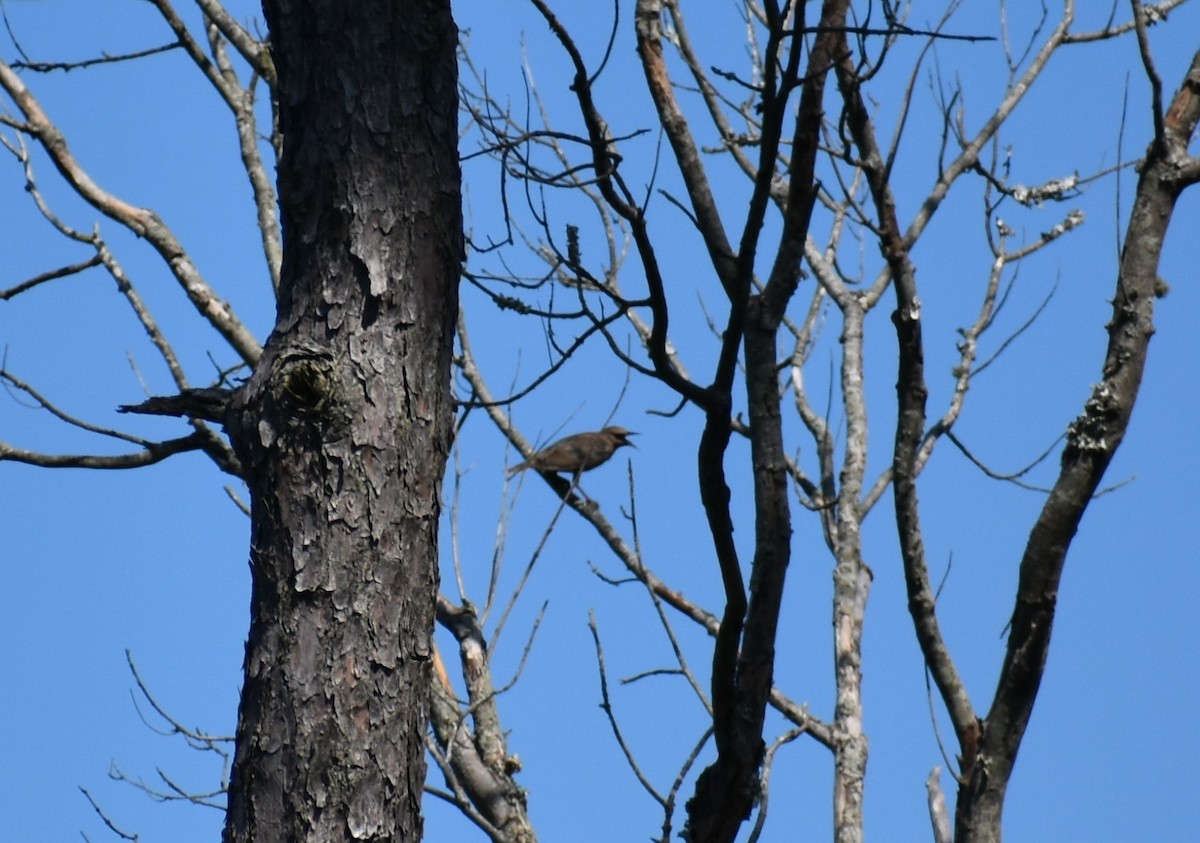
(343, 428)
(1092, 440)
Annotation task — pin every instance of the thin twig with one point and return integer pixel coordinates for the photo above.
(606, 706)
(61, 272)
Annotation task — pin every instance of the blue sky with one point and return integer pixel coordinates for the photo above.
(153, 561)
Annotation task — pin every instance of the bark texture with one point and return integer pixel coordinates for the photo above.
(343, 429)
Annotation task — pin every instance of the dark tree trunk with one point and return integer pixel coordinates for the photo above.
(343, 428)
(744, 654)
(1092, 440)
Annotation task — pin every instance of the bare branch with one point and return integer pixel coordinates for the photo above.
(154, 452)
(197, 739)
(912, 391)
(607, 708)
(12, 382)
(1092, 440)
(142, 222)
(105, 58)
(648, 17)
(106, 819)
(459, 798)
(1152, 12)
(971, 148)
(241, 102)
(1014, 477)
(254, 51)
(477, 764)
(768, 764)
(938, 815)
(619, 198)
(628, 557)
(1140, 15)
(61, 272)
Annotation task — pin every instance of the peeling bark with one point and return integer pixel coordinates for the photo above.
(343, 428)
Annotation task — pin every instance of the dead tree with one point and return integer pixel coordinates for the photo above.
(799, 126)
(339, 423)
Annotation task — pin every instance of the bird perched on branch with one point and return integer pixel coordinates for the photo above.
(579, 453)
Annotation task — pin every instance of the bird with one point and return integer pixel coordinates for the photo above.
(578, 453)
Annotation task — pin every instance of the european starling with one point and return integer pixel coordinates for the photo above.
(578, 453)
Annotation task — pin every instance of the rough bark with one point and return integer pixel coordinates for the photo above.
(343, 428)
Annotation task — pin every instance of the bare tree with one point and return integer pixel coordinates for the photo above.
(801, 146)
(777, 172)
